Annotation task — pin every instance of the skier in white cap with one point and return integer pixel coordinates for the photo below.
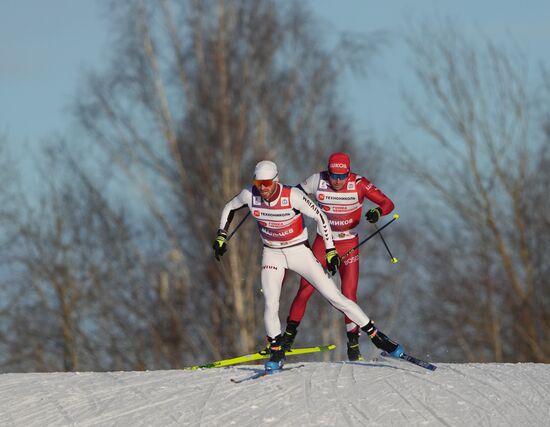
(278, 210)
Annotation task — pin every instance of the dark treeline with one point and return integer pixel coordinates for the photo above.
(108, 264)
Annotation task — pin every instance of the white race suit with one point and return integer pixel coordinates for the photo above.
(284, 236)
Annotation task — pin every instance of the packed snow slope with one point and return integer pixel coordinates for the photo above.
(382, 392)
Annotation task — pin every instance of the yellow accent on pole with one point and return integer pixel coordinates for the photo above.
(394, 260)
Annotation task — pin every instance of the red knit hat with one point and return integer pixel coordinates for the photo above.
(338, 163)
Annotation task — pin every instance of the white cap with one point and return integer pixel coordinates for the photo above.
(266, 169)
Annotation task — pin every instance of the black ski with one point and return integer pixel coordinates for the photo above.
(409, 358)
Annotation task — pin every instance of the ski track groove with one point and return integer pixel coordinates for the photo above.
(343, 407)
(351, 413)
(288, 410)
(92, 399)
(394, 372)
(136, 392)
(510, 396)
(363, 415)
(312, 394)
(454, 393)
(490, 401)
(56, 404)
(282, 394)
(204, 402)
(542, 394)
(450, 368)
(482, 411)
(331, 381)
(404, 398)
(308, 394)
(268, 400)
(424, 376)
(108, 418)
(232, 393)
(434, 414)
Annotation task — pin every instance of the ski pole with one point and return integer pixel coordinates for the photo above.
(237, 227)
(378, 230)
(233, 232)
(393, 259)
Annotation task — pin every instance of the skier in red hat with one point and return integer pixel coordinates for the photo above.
(340, 194)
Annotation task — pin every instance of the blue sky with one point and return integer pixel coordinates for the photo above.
(45, 46)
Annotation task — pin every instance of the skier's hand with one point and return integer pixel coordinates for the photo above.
(333, 261)
(373, 215)
(220, 244)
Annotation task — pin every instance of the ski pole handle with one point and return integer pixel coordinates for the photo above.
(378, 230)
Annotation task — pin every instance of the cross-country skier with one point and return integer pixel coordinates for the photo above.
(278, 210)
(340, 194)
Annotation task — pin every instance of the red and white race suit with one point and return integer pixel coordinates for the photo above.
(344, 210)
(284, 236)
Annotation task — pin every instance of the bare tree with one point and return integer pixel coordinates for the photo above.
(480, 267)
(81, 284)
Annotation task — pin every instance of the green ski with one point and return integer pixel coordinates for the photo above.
(259, 355)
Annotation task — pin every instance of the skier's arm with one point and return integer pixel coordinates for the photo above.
(306, 206)
(371, 192)
(309, 185)
(236, 203)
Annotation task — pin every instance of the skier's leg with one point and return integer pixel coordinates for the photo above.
(273, 272)
(349, 275)
(299, 304)
(298, 307)
(301, 260)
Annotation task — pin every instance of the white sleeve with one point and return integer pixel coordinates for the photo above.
(235, 203)
(306, 206)
(309, 185)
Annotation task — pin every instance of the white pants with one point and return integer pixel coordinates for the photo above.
(301, 260)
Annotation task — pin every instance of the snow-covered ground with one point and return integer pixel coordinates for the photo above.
(382, 392)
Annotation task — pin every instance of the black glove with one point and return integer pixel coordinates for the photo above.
(220, 244)
(333, 261)
(373, 215)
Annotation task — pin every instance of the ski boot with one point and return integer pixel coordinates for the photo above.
(289, 334)
(277, 357)
(353, 347)
(382, 341)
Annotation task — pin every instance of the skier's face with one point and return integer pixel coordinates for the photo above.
(338, 180)
(266, 187)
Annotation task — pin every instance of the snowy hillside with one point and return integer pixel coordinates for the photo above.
(381, 392)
